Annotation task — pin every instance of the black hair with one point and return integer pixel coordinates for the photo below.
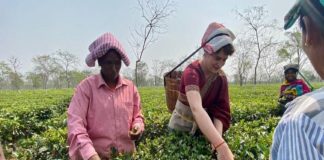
(228, 49)
(291, 69)
(315, 11)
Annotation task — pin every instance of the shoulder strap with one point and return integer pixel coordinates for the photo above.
(217, 35)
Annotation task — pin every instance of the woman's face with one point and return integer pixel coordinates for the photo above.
(216, 61)
(290, 75)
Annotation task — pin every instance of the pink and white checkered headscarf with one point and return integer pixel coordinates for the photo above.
(101, 45)
(218, 42)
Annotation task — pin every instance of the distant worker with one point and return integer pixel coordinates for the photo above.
(291, 87)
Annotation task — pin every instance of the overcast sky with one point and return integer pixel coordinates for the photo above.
(36, 27)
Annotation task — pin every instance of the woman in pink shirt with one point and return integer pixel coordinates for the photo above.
(105, 112)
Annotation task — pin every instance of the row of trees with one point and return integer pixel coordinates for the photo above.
(59, 70)
(260, 54)
(260, 48)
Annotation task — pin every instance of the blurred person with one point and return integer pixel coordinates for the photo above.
(300, 132)
(203, 100)
(104, 115)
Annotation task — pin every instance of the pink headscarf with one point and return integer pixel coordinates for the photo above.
(218, 42)
(101, 45)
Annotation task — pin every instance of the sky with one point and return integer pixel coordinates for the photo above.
(31, 28)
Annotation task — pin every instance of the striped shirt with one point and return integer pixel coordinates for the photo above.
(300, 132)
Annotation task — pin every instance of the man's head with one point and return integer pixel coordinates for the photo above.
(102, 45)
(110, 64)
(290, 71)
(311, 17)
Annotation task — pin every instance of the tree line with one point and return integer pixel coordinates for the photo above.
(59, 70)
(261, 53)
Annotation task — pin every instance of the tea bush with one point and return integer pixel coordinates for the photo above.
(33, 125)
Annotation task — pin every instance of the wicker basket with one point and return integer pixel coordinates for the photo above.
(171, 86)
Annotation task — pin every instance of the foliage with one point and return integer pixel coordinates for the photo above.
(261, 33)
(252, 139)
(142, 71)
(35, 79)
(24, 114)
(253, 109)
(51, 144)
(16, 80)
(292, 50)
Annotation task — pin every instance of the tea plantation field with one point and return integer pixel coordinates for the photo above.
(33, 125)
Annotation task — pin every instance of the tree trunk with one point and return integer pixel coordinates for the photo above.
(241, 80)
(136, 66)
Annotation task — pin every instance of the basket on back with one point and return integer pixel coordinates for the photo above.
(171, 86)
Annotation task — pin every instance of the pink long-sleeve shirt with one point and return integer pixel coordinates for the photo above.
(100, 118)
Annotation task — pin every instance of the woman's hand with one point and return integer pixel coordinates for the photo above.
(135, 133)
(224, 152)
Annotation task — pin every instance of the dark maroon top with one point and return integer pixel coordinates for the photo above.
(216, 99)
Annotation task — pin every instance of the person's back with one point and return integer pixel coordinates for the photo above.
(304, 119)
